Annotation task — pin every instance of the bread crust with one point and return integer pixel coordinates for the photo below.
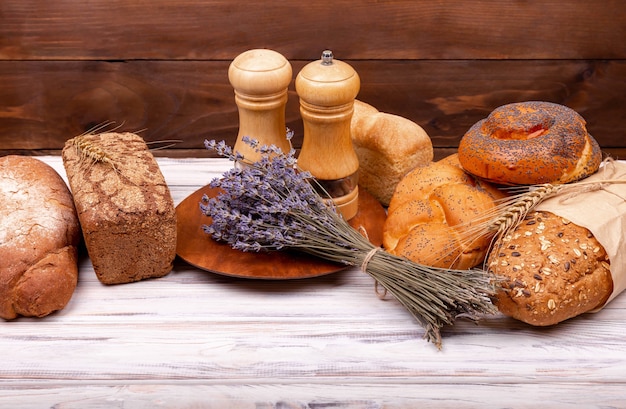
(124, 205)
(39, 236)
(552, 269)
(530, 143)
(431, 209)
(388, 147)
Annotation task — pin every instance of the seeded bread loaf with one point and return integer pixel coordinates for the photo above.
(553, 270)
(124, 206)
(39, 235)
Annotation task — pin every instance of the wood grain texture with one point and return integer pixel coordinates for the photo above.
(42, 105)
(194, 339)
(161, 66)
(220, 30)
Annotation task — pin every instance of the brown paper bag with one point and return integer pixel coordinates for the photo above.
(599, 205)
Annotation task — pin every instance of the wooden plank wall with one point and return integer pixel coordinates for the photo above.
(160, 67)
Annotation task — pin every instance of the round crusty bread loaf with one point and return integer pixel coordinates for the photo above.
(430, 212)
(388, 147)
(552, 268)
(39, 235)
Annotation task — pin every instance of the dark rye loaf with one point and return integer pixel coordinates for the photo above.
(124, 205)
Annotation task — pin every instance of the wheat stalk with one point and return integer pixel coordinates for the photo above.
(512, 213)
(506, 216)
(88, 151)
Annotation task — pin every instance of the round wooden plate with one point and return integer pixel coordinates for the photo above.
(200, 250)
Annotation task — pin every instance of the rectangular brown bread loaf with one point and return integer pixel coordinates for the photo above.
(124, 206)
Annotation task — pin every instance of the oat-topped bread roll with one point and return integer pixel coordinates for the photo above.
(39, 235)
(553, 270)
(124, 206)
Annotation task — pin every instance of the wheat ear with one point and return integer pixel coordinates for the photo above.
(505, 216)
(90, 152)
(513, 213)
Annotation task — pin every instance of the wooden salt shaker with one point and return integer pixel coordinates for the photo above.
(327, 89)
(260, 78)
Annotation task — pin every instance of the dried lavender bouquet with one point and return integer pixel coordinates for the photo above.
(270, 205)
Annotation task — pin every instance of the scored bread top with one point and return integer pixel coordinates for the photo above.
(126, 212)
(115, 176)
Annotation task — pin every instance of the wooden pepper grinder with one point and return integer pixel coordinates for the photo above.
(327, 89)
(260, 78)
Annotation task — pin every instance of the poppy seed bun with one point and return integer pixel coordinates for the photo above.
(530, 143)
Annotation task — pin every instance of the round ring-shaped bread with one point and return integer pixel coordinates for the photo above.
(530, 143)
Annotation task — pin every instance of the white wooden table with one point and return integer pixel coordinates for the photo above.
(195, 339)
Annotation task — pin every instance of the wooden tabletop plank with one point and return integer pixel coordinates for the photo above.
(199, 339)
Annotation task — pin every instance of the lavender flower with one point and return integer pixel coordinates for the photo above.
(272, 205)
